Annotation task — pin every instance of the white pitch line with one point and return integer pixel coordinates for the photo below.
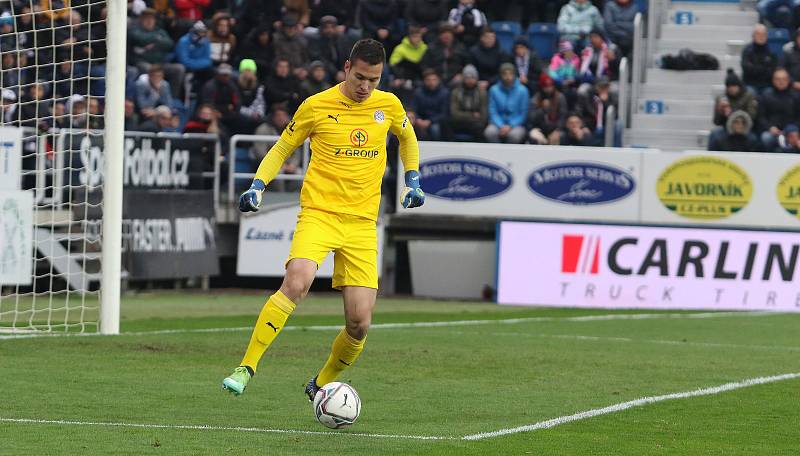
(197, 427)
(423, 324)
(630, 404)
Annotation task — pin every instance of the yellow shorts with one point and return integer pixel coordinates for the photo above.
(353, 239)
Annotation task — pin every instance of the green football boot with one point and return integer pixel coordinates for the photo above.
(237, 381)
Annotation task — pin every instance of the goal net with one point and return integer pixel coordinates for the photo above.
(61, 110)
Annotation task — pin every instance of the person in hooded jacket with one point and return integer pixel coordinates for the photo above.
(469, 106)
(256, 46)
(758, 62)
(508, 108)
(487, 57)
(547, 112)
(618, 16)
(737, 136)
(577, 18)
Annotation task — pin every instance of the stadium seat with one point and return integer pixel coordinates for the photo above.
(543, 37)
(506, 32)
(243, 164)
(642, 4)
(777, 38)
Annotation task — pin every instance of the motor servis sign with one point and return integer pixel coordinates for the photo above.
(527, 182)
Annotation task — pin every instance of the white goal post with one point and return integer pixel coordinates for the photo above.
(62, 95)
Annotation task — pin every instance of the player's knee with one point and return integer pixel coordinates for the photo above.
(357, 328)
(295, 289)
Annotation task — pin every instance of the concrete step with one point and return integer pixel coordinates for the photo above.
(706, 32)
(666, 140)
(709, 77)
(681, 91)
(730, 7)
(690, 17)
(727, 47)
(655, 106)
(669, 122)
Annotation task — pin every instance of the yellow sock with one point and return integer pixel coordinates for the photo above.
(344, 352)
(270, 322)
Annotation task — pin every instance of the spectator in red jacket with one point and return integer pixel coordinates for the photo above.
(191, 9)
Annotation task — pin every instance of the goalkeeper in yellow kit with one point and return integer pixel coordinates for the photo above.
(348, 125)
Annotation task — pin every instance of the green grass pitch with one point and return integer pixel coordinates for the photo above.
(444, 381)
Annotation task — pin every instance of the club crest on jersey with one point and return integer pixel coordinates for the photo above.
(358, 137)
(379, 116)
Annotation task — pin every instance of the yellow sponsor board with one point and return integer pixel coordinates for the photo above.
(789, 191)
(704, 187)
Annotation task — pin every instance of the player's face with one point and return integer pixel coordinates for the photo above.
(361, 78)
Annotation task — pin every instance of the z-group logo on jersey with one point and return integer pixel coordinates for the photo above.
(636, 266)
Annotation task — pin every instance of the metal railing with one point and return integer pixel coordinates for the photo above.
(271, 139)
(624, 93)
(637, 65)
(610, 126)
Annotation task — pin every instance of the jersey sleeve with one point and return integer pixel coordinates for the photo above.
(300, 127)
(402, 128)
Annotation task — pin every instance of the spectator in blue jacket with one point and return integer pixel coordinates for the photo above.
(430, 105)
(618, 18)
(508, 108)
(194, 52)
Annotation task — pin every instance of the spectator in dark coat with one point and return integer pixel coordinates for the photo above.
(316, 82)
(469, 107)
(468, 22)
(791, 59)
(529, 65)
(343, 10)
(223, 94)
(737, 136)
(426, 14)
(131, 117)
(758, 62)
(429, 106)
(378, 19)
(735, 98)
(446, 56)
(575, 133)
(149, 44)
(36, 109)
(777, 107)
(290, 44)
(282, 86)
(331, 47)
(789, 143)
(257, 47)
(547, 112)
(593, 105)
(162, 121)
(618, 18)
(487, 57)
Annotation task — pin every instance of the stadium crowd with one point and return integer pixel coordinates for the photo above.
(231, 67)
(760, 111)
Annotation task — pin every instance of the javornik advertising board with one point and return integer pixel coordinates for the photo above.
(584, 265)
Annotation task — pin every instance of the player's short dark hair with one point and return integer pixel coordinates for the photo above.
(369, 51)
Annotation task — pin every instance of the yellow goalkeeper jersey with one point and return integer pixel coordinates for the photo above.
(348, 149)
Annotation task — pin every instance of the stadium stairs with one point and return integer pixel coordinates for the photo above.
(674, 108)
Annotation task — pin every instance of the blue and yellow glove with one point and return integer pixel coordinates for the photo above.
(251, 199)
(412, 195)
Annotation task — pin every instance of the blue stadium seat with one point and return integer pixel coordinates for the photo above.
(506, 32)
(642, 4)
(777, 38)
(243, 164)
(543, 37)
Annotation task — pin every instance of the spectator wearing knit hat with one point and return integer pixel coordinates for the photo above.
(789, 143)
(508, 108)
(469, 107)
(316, 82)
(191, 9)
(547, 112)
(331, 47)
(253, 108)
(194, 53)
(735, 98)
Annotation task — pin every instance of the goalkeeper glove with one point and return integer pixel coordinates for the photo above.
(251, 199)
(412, 195)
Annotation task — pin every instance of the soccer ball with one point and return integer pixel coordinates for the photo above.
(337, 405)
